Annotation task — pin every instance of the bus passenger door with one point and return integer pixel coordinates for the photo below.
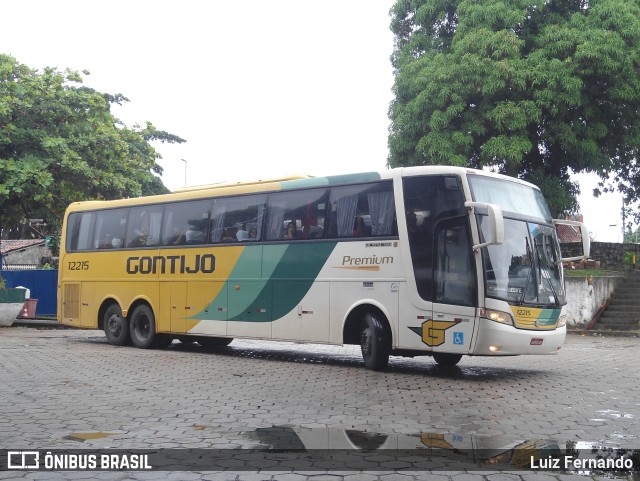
(455, 288)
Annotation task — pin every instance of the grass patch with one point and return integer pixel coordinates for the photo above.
(591, 272)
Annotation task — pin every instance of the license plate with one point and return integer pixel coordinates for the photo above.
(536, 341)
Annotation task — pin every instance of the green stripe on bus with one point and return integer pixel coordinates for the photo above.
(331, 180)
(288, 272)
(288, 283)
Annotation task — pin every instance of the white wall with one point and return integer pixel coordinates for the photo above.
(585, 298)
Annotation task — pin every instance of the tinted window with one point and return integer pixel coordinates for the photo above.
(237, 219)
(454, 274)
(111, 226)
(80, 231)
(362, 211)
(428, 200)
(186, 223)
(297, 215)
(144, 226)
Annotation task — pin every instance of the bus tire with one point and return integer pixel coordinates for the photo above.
(374, 344)
(143, 327)
(213, 342)
(116, 327)
(446, 359)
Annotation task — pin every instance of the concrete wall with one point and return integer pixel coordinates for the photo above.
(584, 299)
(27, 256)
(609, 254)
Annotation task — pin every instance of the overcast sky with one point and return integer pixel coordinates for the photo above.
(258, 88)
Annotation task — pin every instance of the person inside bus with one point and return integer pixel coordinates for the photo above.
(194, 235)
(358, 227)
(292, 232)
(140, 239)
(253, 234)
(141, 231)
(107, 243)
(176, 237)
(412, 221)
(242, 234)
(229, 234)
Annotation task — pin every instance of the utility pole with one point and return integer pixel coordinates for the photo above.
(185, 171)
(624, 218)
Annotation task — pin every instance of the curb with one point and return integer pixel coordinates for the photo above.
(39, 323)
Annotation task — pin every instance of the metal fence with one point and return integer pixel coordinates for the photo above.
(43, 284)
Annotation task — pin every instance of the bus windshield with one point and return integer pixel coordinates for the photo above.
(525, 269)
(513, 197)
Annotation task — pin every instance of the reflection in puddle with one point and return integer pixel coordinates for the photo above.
(453, 451)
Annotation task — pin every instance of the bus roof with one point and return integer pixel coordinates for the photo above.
(290, 182)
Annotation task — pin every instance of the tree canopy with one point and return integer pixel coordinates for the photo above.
(60, 143)
(534, 89)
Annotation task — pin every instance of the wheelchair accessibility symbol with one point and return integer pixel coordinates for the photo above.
(458, 337)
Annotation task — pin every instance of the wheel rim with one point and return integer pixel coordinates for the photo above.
(144, 327)
(114, 325)
(366, 342)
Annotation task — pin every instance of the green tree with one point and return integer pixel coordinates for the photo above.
(60, 143)
(632, 236)
(534, 89)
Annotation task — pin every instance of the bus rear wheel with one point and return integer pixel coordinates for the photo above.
(143, 329)
(374, 344)
(116, 327)
(446, 359)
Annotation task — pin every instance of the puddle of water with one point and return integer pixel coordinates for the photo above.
(450, 450)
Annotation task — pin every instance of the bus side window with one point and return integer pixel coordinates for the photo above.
(237, 219)
(297, 215)
(363, 211)
(143, 228)
(110, 228)
(186, 223)
(80, 231)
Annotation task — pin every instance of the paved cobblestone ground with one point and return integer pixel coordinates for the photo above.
(69, 389)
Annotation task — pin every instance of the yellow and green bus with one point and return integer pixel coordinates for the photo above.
(435, 261)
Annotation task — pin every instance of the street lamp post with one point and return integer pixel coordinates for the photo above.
(185, 171)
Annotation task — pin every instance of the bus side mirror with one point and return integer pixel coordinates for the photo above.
(584, 233)
(496, 223)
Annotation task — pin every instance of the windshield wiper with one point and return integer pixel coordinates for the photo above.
(531, 267)
(547, 277)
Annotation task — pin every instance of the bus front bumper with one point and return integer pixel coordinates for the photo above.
(495, 339)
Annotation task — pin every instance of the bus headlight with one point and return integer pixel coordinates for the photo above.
(562, 321)
(497, 316)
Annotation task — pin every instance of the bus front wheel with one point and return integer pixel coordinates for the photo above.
(374, 344)
(446, 359)
(143, 328)
(116, 327)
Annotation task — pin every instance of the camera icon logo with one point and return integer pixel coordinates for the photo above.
(23, 460)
